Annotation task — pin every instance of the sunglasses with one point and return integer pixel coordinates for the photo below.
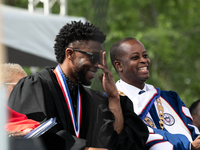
(94, 57)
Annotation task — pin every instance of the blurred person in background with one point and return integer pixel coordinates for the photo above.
(11, 73)
(195, 112)
(168, 119)
(17, 124)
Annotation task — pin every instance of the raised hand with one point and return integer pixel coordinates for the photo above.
(107, 80)
(109, 87)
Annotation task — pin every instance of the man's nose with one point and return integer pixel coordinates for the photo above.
(142, 59)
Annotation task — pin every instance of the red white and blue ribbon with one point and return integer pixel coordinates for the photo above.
(62, 82)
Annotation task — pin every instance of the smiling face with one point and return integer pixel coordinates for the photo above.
(83, 70)
(133, 66)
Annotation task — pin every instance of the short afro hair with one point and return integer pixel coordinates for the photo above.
(75, 31)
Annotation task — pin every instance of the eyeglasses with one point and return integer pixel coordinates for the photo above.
(95, 57)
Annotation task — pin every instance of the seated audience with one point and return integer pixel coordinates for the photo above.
(195, 112)
(168, 119)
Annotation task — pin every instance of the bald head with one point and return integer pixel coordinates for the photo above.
(130, 60)
(117, 50)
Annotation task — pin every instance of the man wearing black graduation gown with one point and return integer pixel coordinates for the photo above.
(99, 121)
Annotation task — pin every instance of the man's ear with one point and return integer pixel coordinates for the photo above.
(69, 53)
(118, 65)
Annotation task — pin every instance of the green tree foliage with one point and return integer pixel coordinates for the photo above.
(17, 3)
(169, 30)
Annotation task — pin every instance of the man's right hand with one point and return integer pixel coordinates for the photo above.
(195, 145)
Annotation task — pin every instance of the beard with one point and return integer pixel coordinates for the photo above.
(81, 76)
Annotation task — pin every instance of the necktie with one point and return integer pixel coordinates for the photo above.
(142, 91)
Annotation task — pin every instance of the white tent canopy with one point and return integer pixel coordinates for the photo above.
(32, 33)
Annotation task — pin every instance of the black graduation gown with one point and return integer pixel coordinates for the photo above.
(39, 96)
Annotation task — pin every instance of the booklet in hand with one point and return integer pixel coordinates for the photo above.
(41, 129)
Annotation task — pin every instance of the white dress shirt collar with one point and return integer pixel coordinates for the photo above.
(133, 89)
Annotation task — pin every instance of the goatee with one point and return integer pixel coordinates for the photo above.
(81, 78)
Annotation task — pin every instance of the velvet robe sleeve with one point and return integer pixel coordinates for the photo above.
(162, 138)
(134, 133)
(184, 113)
(27, 98)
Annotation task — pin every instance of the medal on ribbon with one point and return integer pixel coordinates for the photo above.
(62, 82)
